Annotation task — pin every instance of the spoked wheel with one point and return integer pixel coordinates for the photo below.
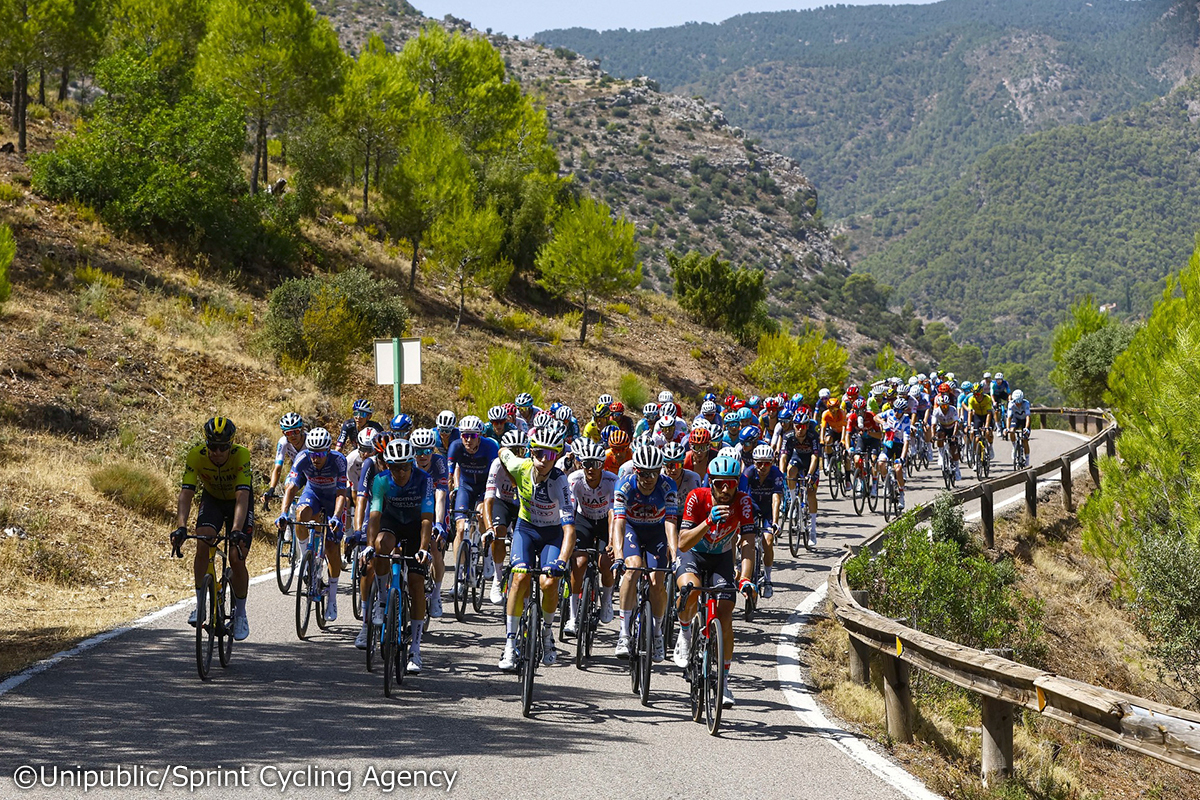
(751, 603)
(695, 670)
(795, 532)
(462, 579)
(372, 628)
(833, 477)
(405, 632)
(391, 644)
(564, 605)
(224, 620)
(860, 493)
(635, 653)
(532, 624)
(583, 625)
(285, 558)
(873, 497)
(304, 595)
(355, 580)
(714, 678)
(646, 634)
(205, 625)
(889, 501)
(671, 618)
(477, 580)
(948, 477)
(320, 592)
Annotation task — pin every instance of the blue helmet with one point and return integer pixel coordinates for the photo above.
(754, 402)
(798, 398)
(725, 467)
(401, 423)
(711, 396)
(785, 415)
(751, 433)
(363, 407)
(745, 415)
(554, 406)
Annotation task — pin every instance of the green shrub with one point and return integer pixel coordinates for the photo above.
(506, 374)
(1168, 606)
(331, 332)
(10, 193)
(8, 251)
(633, 392)
(134, 487)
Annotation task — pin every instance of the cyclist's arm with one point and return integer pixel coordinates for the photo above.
(776, 504)
(241, 509)
(690, 537)
(184, 508)
(276, 474)
(814, 463)
(426, 531)
(360, 510)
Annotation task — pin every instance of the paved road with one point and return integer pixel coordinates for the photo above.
(286, 704)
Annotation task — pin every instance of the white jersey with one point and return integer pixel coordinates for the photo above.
(592, 503)
(354, 465)
(688, 481)
(500, 484)
(945, 416)
(626, 469)
(285, 454)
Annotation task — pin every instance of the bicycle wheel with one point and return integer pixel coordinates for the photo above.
(391, 642)
(224, 619)
(205, 625)
(887, 500)
(355, 579)
(794, 531)
(714, 678)
(304, 595)
(646, 662)
(532, 622)
(372, 628)
(462, 579)
(833, 478)
(873, 493)
(564, 605)
(477, 572)
(635, 651)
(860, 493)
(404, 635)
(583, 625)
(671, 618)
(285, 559)
(593, 611)
(320, 589)
(750, 604)
(695, 668)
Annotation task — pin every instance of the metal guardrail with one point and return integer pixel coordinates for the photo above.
(1144, 726)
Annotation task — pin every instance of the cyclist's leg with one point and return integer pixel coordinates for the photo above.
(657, 556)
(551, 551)
(410, 539)
(237, 559)
(585, 539)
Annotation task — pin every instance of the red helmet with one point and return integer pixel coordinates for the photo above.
(943, 388)
(860, 404)
(771, 404)
(852, 392)
(617, 407)
(735, 405)
(730, 400)
(510, 409)
(700, 437)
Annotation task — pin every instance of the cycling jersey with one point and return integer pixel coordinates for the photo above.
(896, 428)
(834, 419)
(223, 482)
(367, 472)
(1000, 391)
(661, 505)
(762, 489)
(472, 467)
(921, 404)
(489, 430)
(325, 482)
(720, 538)
(349, 432)
(688, 480)
(548, 503)
(594, 504)
(284, 452)
(980, 405)
(439, 473)
(1018, 411)
(354, 464)
(404, 504)
(874, 404)
(803, 442)
(945, 417)
(864, 422)
(444, 441)
(691, 462)
(613, 459)
(500, 484)
(624, 423)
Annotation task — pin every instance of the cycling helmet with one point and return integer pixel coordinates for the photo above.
(879, 391)
(802, 416)
(618, 439)
(445, 420)
(401, 423)
(732, 419)
(785, 416)
(366, 439)
(914, 380)
(551, 436)
(943, 388)
(763, 452)
(711, 396)
(754, 402)
(606, 399)
(824, 394)
(423, 438)
(292, 421)
(967, 386)
(860, 404)
(943, 399)
(471, 424)
(725, 466)
(647, 456)
(953, 384)
(900, 405)
(220, 430)
(665, 396)
(606, 434)
(398, 451)
(976, 389)
(673, 452)
(746, 415)
(563, 414)
(587, 450)
(511, 410)
(541, 418)
(363, 407)
(650, 410)
(730, 399)
(554, 407)
(701, 437)
(772, 403)
(318, 440)
(914, 392)
(511, 438)
(950, 376)
(728, 450)
(601, 410)
(798, 397)
(750, 434)
(999, 376)
(707, 408)
(665, 423)
(668, 409)
(382, 439)
(1018, 396)
(524, 400)
(496, 414)
(852, 392)
(987, 375)
(616, 407)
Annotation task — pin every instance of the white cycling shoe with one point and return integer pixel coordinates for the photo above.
(727, 700)
(241, 627)
(660, 649)
(414, 663)
(606, 611)
(622, 650)
(495, 595)
(680, 656)
(377, 616)
(360, 641)
(489, 568)
(508, 661)
(435, 605)
(331, 607)
(571, 628)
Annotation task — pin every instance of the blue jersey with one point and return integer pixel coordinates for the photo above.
(366, 478)
(1000, 390)
(1018, 410)
(349, 432)
(641, 509)
(761, 491)
(473, 467)
(327, 482)
(404, 503)
(439, 473)
(442, 449)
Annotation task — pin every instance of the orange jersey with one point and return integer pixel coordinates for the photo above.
(613, 459)
(834, 419)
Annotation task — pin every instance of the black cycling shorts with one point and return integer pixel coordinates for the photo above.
(216, 513)
(590, 533)
(408, 538)
(715, 569)
(504, 514)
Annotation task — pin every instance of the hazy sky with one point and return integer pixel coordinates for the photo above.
(530, 16)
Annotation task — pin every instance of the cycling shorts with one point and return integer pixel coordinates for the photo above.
(800, 459)
(649, 542)
(714, 569)
(528, 540)
(892, 450)
(869, 445)
(945, 431)
(591, 533)
(408, 537)
(216, 513)
(316, 503)
(1018, 422)
(504, 513)
(978, 421)
(466, 499)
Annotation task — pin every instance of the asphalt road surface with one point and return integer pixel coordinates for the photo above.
(288, 713)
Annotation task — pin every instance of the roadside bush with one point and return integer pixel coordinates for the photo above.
(1168, 606)
(331, 333)
(133, 487)
(8, 251)
(506, 374)
(948, 524)
(633, 392)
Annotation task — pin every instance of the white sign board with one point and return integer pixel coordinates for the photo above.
(410, 362)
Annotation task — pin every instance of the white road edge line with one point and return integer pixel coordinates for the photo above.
(802, 700)
(14, 681)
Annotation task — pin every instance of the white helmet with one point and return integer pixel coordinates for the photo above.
(666, 397)
(650, 410)
(471, 424)
(665, 423)
(673, 451)
(949, 376)
(708, 407)
(497, 413)
(587, 450)
(606, 399)
(398, 451)
(423, 438)
(551, 436)
(999, 376)
(1018, 396)
(987, 375)
(445, 420)
(727, 452)
(542, 418)
(366, 439)
(914, 391)
(647, 456)
(669, 409)
(763, 452)
(823, 394)
(913, 381)
(291, 421)
(514, 438)
(318, 439)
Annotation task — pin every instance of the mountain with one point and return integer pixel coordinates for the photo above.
(884, 107)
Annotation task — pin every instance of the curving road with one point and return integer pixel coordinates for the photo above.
(308, 711)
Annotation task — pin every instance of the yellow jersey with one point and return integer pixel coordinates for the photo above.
(980, 405)
(223, 482)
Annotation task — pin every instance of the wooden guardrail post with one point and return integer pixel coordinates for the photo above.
(1031, 494)
(997, 735)
(897, 698)
(1093, 467)
(1110, 444)
(1068, 500)
(987, 516)
(860, 652)
(1071, 421)
(1042, 417)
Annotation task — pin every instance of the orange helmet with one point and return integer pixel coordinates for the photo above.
(618, 439)
(700, 437)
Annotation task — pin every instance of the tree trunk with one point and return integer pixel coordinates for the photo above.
(266, 178)
(64, 82)
(378, 158)
(42, 87)
(412, 276)
(366, 176)
(16, 102)
(462, 294)
(254, 171)
(583, 322)
(23, 100)
(283, 141)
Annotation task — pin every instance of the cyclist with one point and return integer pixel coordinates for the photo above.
(525, 409)
(354, 466)
(619, 450)
(222, 469)
(447, 430)
(402, 514)
(783, 428)
(766, 491)
(768, 419)
(566, 416)
(290, 443)
(665, 430)
(733, 426)
(877, 398)
(897, 431)
(322, 470)
(944, 422)
(650, 414)
(833, 425)
(674, 468)
(401, 426)
(545, 526)
(600, 417)
(710, 414)
(500, 509)
(718, 521)
(646, 522)
(670, 409)
(360, 418)
(424, 447)
(801, 452)
(362, 507)
(697, 458)
(748, 439)
(1019, 420)
(863, 425)
(469, 460)
(593, 487)
(497, 424)
(1000, 395)
(620, 419)
(980, 415)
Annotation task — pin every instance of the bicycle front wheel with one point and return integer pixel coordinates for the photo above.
(794, 528)
(714, 678)
(583, 625)
(672, 616)
(873, 493)
(477, 580)
(695, 669)
(285, 559)
(859, 490)
(462, 579)
(529, 654)
(635, 652)
(391, 644)
(224, 619)
(372, 628)
(206, 613)
(646, 662)
(304, 595)
(356, 578)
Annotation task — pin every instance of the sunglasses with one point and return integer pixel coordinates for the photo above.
(424, 451)
(469, 437)
(318, 453)
(725, 484)
(220, 448)
(361, 414)
(545, 454)
(647, 473)
(405, 467)
(591, 464)
(763, 464)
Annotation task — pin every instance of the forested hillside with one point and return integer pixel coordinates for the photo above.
(885, 106)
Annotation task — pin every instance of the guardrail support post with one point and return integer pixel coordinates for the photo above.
(986, 516)
(860, 653)
(1110, 444)
(1031, 494)
(897, 698)
(1071, 421)
(1043, 420)
(997, 735)
(1068, 500)
(1093, 467)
